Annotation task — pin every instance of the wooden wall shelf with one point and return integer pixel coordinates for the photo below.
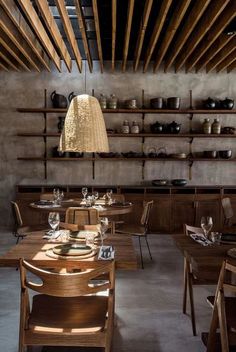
(190, 112)
(135, 111)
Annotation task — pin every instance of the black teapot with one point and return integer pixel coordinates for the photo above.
(58, 100)
(174, 127)
(227, 103)
(210, 103)
(157, 127)
(71, 96)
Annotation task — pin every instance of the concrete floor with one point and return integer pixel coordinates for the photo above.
(148, 305)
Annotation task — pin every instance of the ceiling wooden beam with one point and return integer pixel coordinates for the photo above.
(8, 59)
(14, 35)
(170, 32)
(224, 19)
(113, 30)
(69, 31)
(38, 27)
(4, 66)
(213, 50)
(127, 33)
(16, 17)
(209, 18)
(54, 31)
(13, 50)
(97, 28)
(231, 46)
(227, 61)
(82, 27)
(194, 16)
(156, 32)
(142, 31)
(231, 67)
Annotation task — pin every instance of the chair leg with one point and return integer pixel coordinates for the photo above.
(141, 254)
(190, 289)
(185, 288)
(148, 247)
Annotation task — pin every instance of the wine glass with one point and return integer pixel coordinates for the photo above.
(96, 195)
(103, 228)
(84, 192)
(54, 220)
(206, 225)
(109, 196)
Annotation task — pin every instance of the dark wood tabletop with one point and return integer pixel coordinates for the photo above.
(33, 249)
(205, 260)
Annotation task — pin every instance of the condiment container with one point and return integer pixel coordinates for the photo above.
(125, 127)
(103, 101)
(216, 126)
(206, 126)
(112, 103)
(135, 127)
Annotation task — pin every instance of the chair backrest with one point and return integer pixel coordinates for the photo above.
(146, 213)
(224, 314)
(82, 216)
(67, 284)
(16, 214)
(46, 196)
(118, 197)
(227, 209)
(192, 229)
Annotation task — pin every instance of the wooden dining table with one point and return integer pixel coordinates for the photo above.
(33, 248)
(205, 261)
(110, 211)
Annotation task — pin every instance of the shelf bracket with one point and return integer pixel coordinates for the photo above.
(190, 164)
(143, 167)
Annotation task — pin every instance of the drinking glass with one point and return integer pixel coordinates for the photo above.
(56, 195)
(54, 220)
(96, 195)
(206, 225)
(109, 196)
(84, 192)
(103, 227)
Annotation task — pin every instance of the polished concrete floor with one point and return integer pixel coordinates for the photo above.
(148, 305)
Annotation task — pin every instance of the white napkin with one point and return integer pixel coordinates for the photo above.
(50, 235)
(46, 205)
(98, 207)
(106, 253)
(199, 238)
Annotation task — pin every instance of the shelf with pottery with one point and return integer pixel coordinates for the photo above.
(137, 135)
(137, 111)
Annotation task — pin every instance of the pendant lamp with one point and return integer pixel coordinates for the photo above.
(84, 129)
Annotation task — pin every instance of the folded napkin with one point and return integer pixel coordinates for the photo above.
(46, 205)
(98, 207)
(50, 235)
(106, 253)
(199, 238)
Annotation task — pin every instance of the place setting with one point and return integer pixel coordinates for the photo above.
(77, 245)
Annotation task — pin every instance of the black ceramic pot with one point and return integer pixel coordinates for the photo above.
(173, 127)
(179, 182)
(58, 100)
(157, 127)
(210, 103)
(227, 104)
(225, 154)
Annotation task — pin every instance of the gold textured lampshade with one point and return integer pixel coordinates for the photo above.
(84, 129)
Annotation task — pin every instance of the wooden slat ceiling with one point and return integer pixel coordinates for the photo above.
(164, 35)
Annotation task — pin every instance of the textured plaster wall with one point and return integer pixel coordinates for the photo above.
(27, 90)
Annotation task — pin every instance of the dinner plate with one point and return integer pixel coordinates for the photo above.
(82, 234)
(121, 205)
(232, 252)
(72, 249)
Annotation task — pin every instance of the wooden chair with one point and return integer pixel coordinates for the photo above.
(189, 279)
(82, 216)
(67, 310)
(224, 310)
(20, 230)
(46, 196)
(228, 212)
(140, 230)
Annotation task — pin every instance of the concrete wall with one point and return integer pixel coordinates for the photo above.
(27, 90)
